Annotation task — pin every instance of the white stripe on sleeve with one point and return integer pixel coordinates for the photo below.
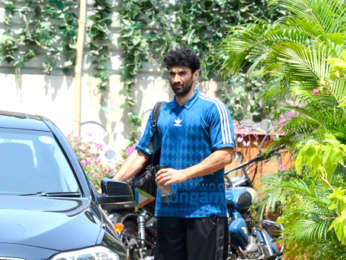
(225, 122)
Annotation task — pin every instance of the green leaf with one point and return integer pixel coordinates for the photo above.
(331, 158)
(299, 163)
(339, 226)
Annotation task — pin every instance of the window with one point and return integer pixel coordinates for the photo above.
(32, 161)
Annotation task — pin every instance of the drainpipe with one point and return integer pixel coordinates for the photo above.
(79, 68)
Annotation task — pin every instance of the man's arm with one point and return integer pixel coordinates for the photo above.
(132, 165)
(214, 162)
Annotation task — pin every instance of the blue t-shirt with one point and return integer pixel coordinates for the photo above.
(188, 134)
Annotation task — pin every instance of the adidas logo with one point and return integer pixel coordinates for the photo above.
(177, 122)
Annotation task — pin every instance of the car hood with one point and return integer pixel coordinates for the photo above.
(52, 223)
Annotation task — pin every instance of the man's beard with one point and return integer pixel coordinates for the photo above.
(181, 90)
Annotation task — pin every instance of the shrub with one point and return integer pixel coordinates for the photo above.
(89, 154)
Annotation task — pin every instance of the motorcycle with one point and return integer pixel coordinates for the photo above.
(136, 226)
(249, 239)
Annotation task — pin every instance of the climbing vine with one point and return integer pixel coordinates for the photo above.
(141, 38)
(100, 41)
(46, 29)
(150, 27)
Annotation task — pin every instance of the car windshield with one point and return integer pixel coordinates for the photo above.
(32, 162)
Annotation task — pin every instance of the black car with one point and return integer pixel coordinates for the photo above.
(48, 208)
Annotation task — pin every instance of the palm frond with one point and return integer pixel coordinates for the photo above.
(251, 43)
(286, 33)
(237, 45)
(316, 116)
(308, 230)
(278, 189)
(297, 130)
(338, 89)
(326, 15)
(308, 66)
(273, 192)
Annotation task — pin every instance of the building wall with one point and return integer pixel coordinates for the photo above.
(52, 95)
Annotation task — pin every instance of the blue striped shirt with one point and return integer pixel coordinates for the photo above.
(188, 134)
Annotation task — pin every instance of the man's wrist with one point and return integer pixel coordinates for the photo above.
(186, 174)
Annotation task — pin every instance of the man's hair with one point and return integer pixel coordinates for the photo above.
(182, 57)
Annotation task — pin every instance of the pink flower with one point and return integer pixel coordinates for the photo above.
(130, 150)
(95, 175)
(99, 146)
(290, 114)
(83, 162)
(315, 91)
(282, 122)
(329, 91)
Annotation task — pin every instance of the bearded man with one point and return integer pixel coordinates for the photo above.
(196, 138)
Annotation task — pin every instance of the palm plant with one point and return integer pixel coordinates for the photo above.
(294, 49)
(296, 54)
(312, 200)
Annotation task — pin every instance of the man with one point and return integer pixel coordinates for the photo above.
(197, 140)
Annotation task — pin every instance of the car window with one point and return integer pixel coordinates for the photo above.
(32, 161)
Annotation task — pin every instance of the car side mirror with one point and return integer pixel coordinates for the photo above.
(116, 195)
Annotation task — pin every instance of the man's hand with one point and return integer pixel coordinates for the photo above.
(169, 176)
(214, 162)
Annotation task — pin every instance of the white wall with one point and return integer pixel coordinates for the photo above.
(52, 96)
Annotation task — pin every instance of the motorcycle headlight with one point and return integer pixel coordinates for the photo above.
(91, 253)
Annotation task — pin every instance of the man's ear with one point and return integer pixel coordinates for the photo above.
(195, 75)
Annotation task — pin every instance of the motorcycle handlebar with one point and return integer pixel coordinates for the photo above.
(258, 158)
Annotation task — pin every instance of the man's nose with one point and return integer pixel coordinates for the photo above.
(176, 79)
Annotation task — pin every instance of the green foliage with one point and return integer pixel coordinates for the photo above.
(338, 198)
(321, 158)
(49, 29)
(291, 53)
(100, 41)
(338, 73)
(313, 227)
(294, 58)
(46, 28)
(338, 67)
(243, 94)
(140, 35)
(151, 27)
(203, 24)
(299, 54)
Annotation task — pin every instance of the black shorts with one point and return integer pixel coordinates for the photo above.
(192, 238)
